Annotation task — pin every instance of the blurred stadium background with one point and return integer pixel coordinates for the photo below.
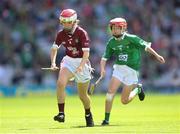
(28, 29)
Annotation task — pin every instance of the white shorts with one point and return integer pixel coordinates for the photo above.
(125, 74)
(72, 63)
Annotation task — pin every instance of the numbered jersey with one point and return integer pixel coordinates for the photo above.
(127, 50)
(74, 43)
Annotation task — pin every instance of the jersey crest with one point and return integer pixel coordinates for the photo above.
(76, 40)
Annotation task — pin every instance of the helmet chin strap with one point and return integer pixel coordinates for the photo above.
(68, 30)
(118, 36)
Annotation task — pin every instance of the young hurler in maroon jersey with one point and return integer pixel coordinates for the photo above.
(74, 64)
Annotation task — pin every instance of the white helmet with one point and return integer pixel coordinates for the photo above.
(120, 22)
(68, 15)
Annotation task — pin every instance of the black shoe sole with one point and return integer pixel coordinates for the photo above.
(104, 124)
(90, 125)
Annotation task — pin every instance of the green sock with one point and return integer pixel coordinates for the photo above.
(107, 116)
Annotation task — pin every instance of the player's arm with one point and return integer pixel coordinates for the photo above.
(107, 54)
(153, 52)
(147, 47)
(84, 58)
(102, 67)
(83, 61)
(53, 55)
(85, 48)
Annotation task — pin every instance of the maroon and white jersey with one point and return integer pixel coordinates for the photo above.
(74, 43)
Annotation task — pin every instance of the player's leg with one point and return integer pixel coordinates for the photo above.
(129, 92)
(141, 93)
(82, 92)
(64, 76)
(113, 86)
(131, 87)
(85, 99)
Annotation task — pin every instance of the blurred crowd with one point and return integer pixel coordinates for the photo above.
(28, 29)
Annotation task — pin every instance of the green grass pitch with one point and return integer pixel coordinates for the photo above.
(34, 114)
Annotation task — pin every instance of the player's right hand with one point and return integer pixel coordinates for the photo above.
(54, 67)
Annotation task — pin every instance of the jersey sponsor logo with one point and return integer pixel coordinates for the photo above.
(123, 57)
(73, 50)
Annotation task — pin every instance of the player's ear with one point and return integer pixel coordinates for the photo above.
(77, 21)
(110, 27)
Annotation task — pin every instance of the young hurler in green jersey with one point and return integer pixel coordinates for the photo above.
(127, 50)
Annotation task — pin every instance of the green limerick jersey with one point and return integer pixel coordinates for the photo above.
(126, 50)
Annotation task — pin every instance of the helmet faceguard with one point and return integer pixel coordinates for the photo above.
(119, 22)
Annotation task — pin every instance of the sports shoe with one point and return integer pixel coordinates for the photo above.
(60, 117)
(141, 93)
(105, 122)
(89, 120)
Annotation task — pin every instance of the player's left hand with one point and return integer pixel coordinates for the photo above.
(103, 72)
(160, 59)
(79, 69)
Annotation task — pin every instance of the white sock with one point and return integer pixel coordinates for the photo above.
(134, 93)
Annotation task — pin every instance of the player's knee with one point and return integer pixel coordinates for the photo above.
(83, 97)
(61, 84)
(124, 101)
(109, 96)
